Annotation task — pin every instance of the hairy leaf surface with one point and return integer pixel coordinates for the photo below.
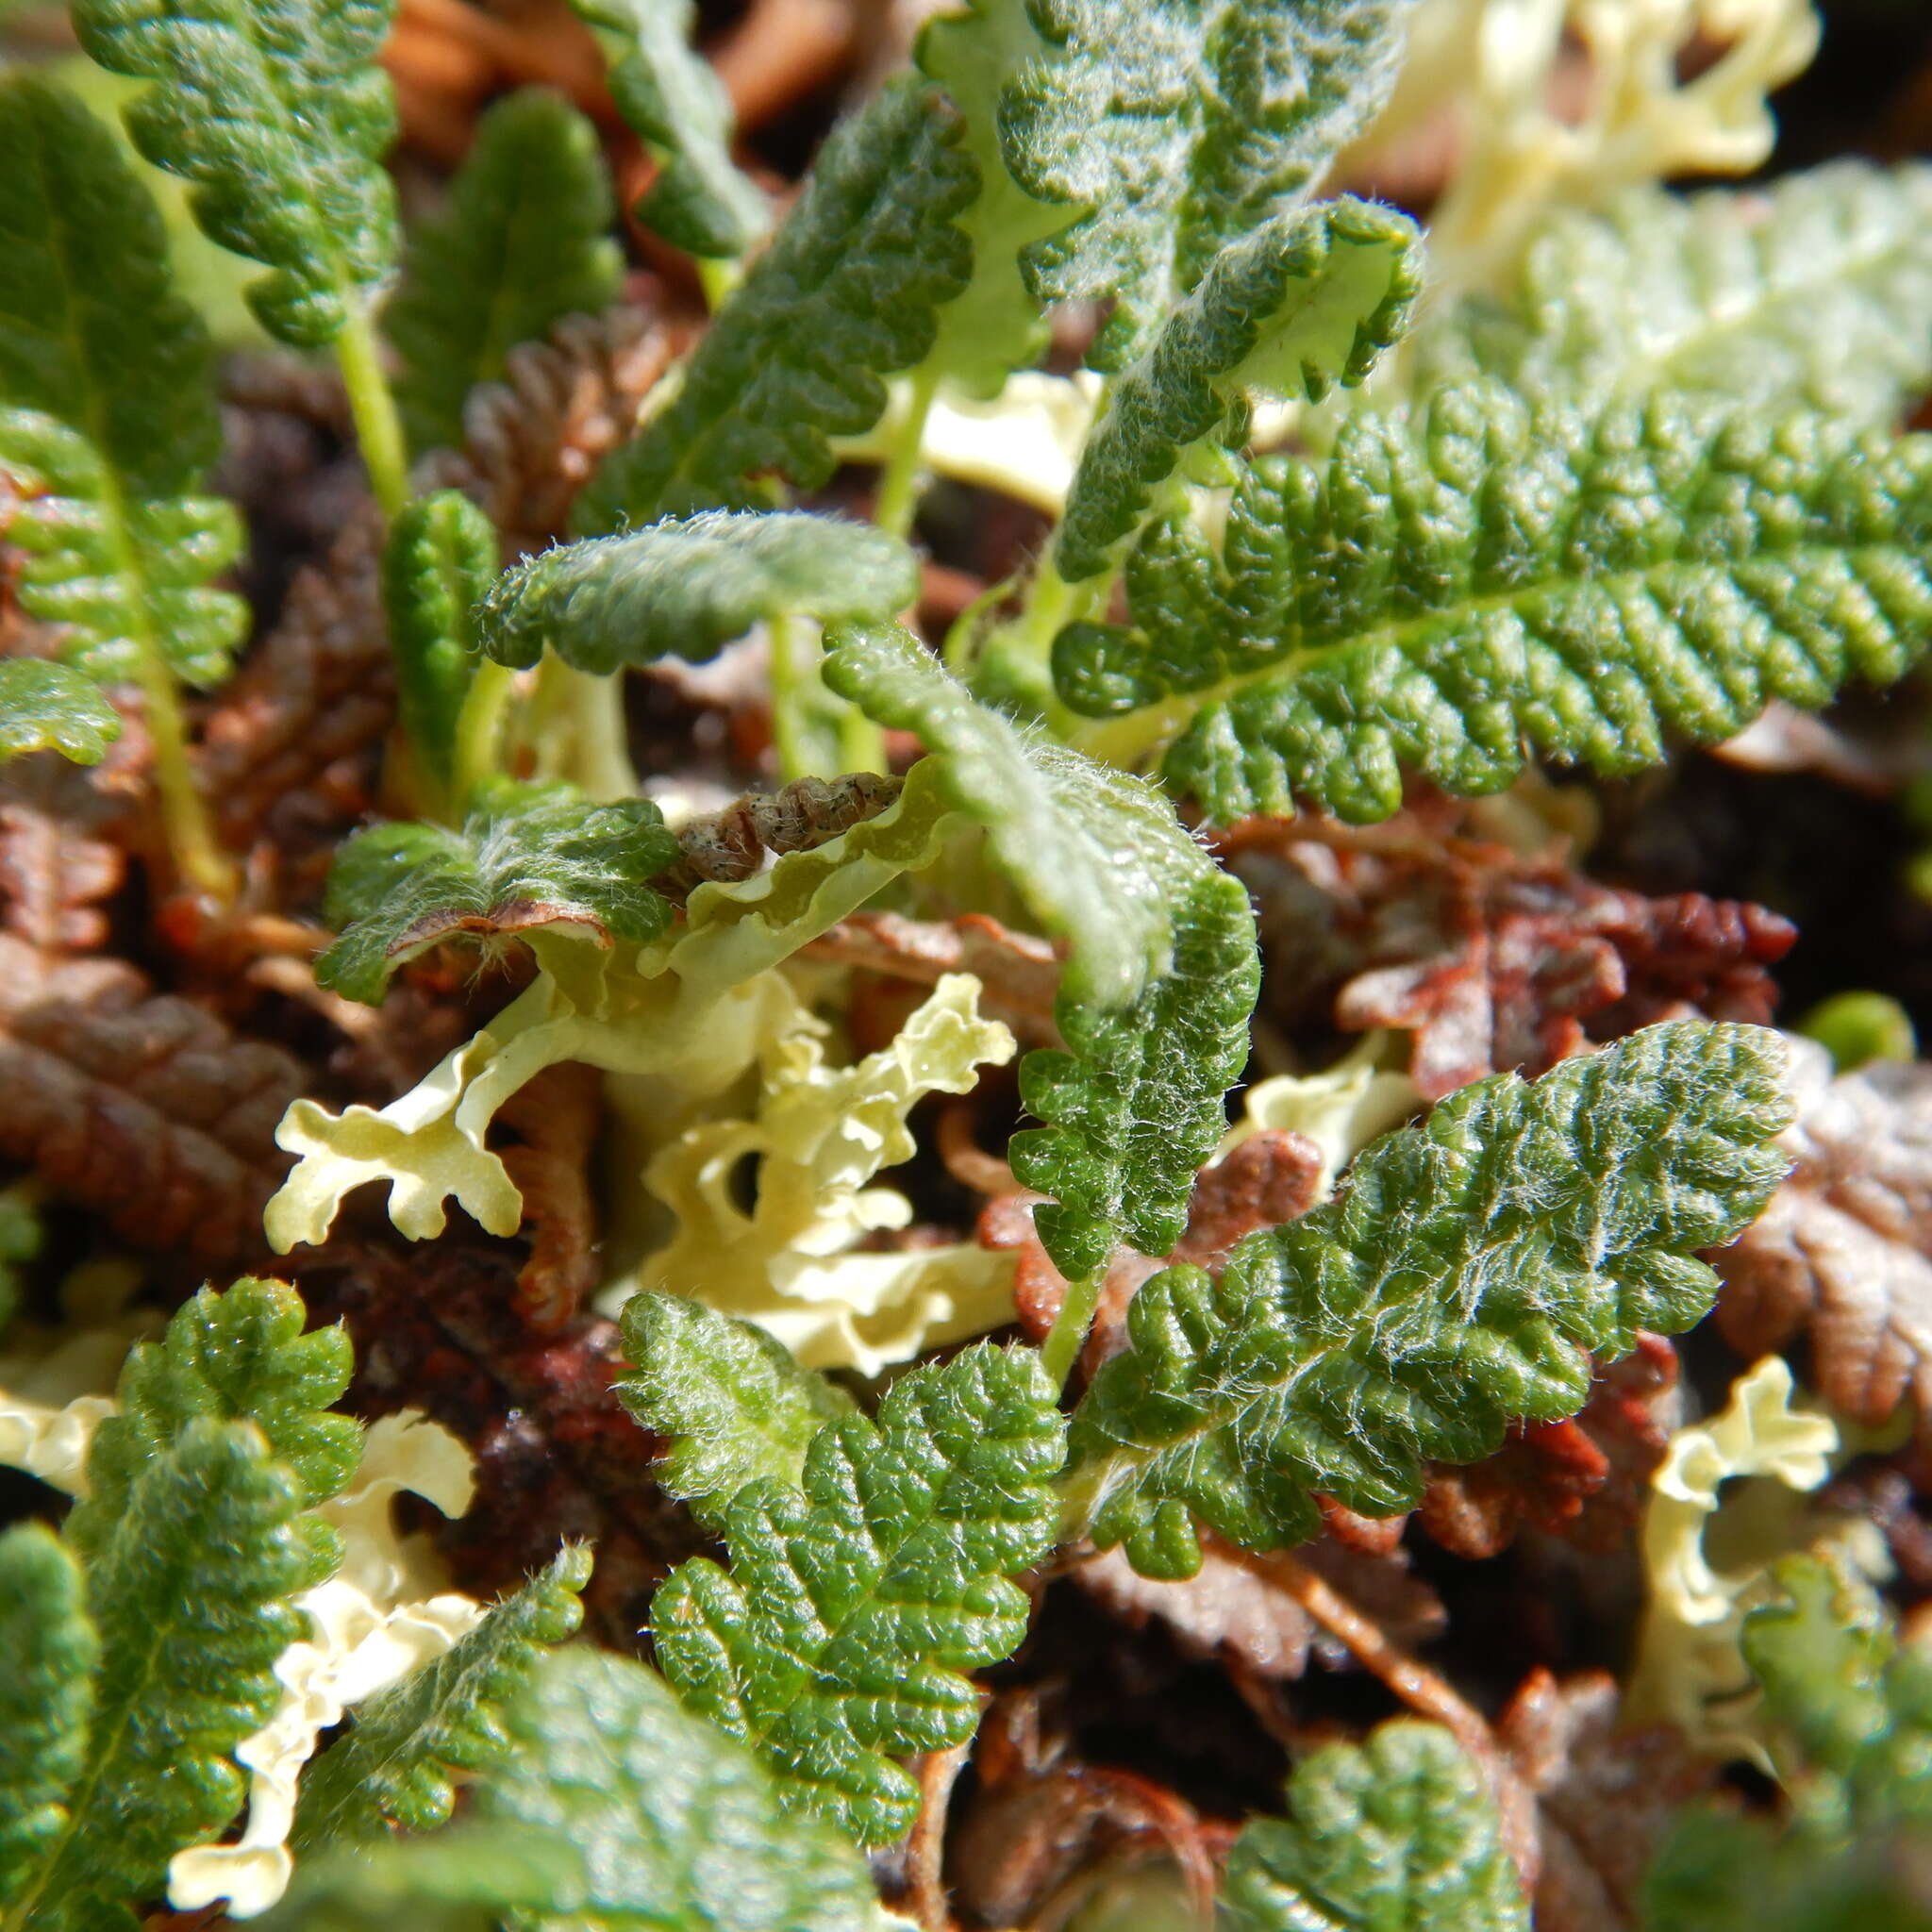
(689, 586)
(846, 294)
(527, 856)
(276, 112)
(1402, 1831)
(49, 707)
(1306, 302)
(1155, 1001)
(46, 1694)
(836, 1641)
(1453, 1287)
(1172, 127)
(730, 1401)
(678, 107)
(1494, 580)
(524, 242)
(394, 1770)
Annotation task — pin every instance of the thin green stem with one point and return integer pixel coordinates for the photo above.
(1065, 1339)
(898, 492)
(790, 735)
(379, 428)
(184, 813)
(479, 730)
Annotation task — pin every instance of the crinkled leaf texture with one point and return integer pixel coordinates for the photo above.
(837, 1641)
(276, 112)
(1401, 1832)
(1454, 1285)
(49, 706)
(674, 101)
(1173, 127)
(1815, 290)
(1306, 302)
(524, 242)
(846, 294)
(1163, 973)
(731, 1403)
(688, 585)
(393, 1770)
(527, 858)
(1491, 579)
(107, 411)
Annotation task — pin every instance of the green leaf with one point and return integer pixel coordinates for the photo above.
(1397, 1834)
(1452, 1288)
(730, 1402)
(678, 107)
(276, 111)
(189, 1588)
(46, 706)
(524, 242)
(1175, 126)
(241, 1355)
(1308, 300)
(528, 857)
(1722, 1872)
(438, 563)
(46, 1695)
(837, 1641)
(1450, 596)
(1813, 290)
(392, 1772)
(846, 294)
(1154, 1000)
(107, 407)
(689, 586)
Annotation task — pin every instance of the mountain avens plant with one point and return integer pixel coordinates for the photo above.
(661, 685)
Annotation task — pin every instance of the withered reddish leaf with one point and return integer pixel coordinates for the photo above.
(1844, 1250)
(139, 1105)
(1491, 960)
(1603, 1797)
(1270, 1177)
(58, 862)
(555, 1117)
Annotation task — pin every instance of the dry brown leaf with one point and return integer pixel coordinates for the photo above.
(58, 859)
(555, 1117)
(139, 1105)
(1844, 1250)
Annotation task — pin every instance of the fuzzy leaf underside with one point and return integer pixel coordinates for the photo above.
(689, 586)
(524, 242)
(730, 1402)
(277, 112)
(1163, 973)
(1813, 290)
(1498, 581)
(438, 563)
(190, 1592)
(393, 1770)
(46, 1694)
(1172, 127)
(1451, 1289)
(106, 414)
(1306, 302)
(677, 105)
(527, 856)
(846, 294)
(49, 706)
(1401, 1832)
(836, 1643)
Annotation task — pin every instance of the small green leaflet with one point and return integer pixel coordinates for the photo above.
(846, 293)
(47, 707)
(276, 112)
(687, 586)
(528, 857)
(1306, 302)
(730, 1402)
(1156, 997)
(679, 108)
(1451, 594)
(1452, 1288)
(1400, 1833)
(1175, 126)
(524, 242)
(835, 1644)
